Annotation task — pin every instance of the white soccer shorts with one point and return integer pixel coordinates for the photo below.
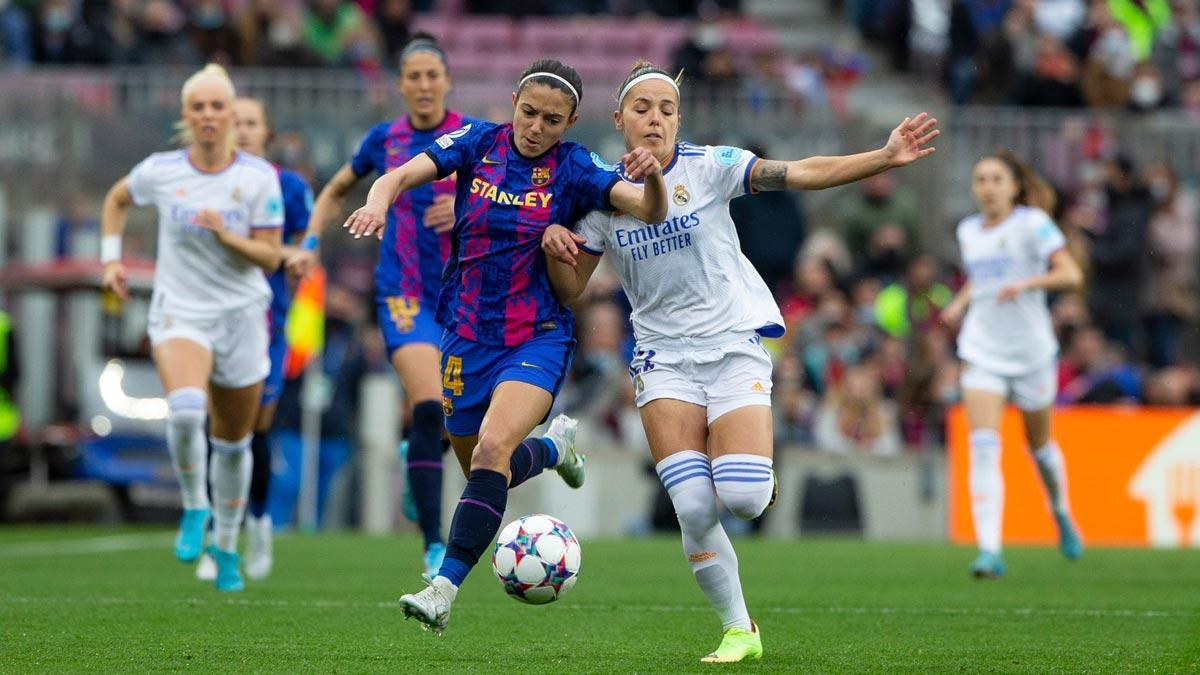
(722, 379)
(1032, 391)
(238, 342)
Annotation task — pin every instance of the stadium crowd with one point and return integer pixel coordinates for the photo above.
(1136, 54)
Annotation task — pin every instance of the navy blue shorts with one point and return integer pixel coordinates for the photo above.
(406, 320)
(471, 371)
(277, 351)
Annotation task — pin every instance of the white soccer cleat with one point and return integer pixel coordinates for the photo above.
(570, 463)
(206, 568)
(431, 605)
(259, 559)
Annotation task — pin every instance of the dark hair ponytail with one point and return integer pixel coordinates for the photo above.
(554, 67)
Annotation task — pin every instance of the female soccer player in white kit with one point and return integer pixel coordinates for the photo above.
(701, 375)
(1013, 253)
(219, 217)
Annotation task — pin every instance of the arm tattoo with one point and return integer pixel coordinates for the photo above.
(769, 175)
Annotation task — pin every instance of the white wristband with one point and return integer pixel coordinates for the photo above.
(110, 248)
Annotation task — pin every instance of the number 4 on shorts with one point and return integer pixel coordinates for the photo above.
(452, 377)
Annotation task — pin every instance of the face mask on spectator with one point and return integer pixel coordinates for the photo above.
(57, 20)
(1160, 189)
(1145, 92)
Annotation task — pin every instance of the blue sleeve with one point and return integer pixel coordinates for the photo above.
(592, 181)
(458, 149)
(297, 204)
(368, 156)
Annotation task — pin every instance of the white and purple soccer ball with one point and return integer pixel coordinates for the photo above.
(536, 559)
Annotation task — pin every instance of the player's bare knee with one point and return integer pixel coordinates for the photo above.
(493, 451)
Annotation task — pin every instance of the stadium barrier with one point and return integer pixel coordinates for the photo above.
(1133, 476)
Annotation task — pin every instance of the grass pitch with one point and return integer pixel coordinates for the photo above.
(116, 600)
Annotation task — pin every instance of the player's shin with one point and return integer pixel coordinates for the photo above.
(987, 488)
(187, 408)
(230, 476)
(424, 468)
(476, 521)
(688, 480)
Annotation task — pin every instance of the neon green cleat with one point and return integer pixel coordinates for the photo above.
(738, 645)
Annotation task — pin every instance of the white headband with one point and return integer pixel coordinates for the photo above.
(557, 77)
(642, 78)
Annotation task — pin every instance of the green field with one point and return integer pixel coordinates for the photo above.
(115, 600)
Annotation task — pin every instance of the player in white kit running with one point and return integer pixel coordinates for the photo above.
(1013, 253)
(219, 217)
(700, 310)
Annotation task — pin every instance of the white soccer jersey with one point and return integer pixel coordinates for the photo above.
(686, 276)
(195, 276)
(1015, 337)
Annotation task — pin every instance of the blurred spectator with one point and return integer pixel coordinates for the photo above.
(880, 224)
(1094, 371)
(793, 404)
(271, 34)
(1109, 61)
(56, 39)
(598, 375)
(1141, 20)
(210, 25)
(771, 226)
(930, 386)
(914, 303)
(1053, 79)
(855, 418)
(393, 16)
(1059, 18)
(831, 341)
(16, 35)
(1169, 297)
(1176, 50)
(1174, 386)
(979, 62)
(1118, 245)
(162, 40)
(812, 279)
(339, 33)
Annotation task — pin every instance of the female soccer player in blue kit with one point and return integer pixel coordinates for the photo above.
(508, 341)
(408, 277)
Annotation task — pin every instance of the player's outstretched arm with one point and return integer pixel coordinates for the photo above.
(568, 268)
(371, 218)
(952, 315)
(908, 142)
(648, 204)
(113, 216)
(327, 206)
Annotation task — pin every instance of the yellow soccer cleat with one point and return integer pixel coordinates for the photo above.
(738, 645)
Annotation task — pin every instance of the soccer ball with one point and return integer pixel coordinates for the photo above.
(536, 559)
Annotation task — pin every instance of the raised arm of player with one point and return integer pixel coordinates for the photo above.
(906, 144)
(113, 217)
(648, 204)
(327, 206)
(1064, 275)
(371, 218)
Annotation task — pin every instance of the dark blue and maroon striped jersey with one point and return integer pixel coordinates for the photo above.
(495, 290)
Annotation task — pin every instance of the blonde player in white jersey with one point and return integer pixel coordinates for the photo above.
(219, 219)
(701, 375)
(1013, 253)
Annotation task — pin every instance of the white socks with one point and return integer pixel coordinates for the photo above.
(688, 479)
(744, 483)
(986, 486)
(230, 475)
(187, 408)
(1054, 476)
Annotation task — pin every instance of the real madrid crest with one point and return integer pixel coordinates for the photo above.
(541, 176)
(237, 195)
(682, 196)
(638, 385)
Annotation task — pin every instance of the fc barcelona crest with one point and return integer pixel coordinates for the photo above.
(541, 176)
